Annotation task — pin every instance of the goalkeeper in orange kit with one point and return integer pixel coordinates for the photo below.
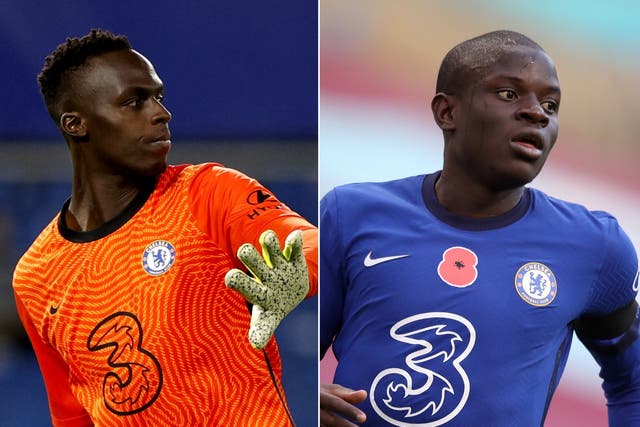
(123, 294)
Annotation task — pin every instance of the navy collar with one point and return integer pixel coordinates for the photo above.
(467, 223)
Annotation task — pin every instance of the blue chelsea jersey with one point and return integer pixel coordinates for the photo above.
(458, 321)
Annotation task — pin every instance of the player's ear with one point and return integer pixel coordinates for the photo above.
(73, 124)
(443, 106)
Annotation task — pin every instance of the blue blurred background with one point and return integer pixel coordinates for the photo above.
(378, 65)
(241, 82)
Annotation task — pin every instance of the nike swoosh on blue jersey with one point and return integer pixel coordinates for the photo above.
(370, 262)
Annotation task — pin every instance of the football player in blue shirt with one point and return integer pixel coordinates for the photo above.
(452, 298)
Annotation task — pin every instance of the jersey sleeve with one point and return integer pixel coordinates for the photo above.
(331, 282)
(614, 286)
(609, 329)
(233, 209)
(65, 410)
(619, 360)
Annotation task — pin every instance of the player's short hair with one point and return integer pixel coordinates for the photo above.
(56, 76)
(475, 54)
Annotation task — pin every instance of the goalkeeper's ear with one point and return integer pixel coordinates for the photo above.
(72, 124)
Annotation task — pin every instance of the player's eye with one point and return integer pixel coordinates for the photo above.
(550, 106)
(160, 97)
(133, 102)
(507, 94)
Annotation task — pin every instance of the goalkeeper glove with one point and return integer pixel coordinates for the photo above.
(279, 284)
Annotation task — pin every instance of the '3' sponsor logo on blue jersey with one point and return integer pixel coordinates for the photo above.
(433, 386)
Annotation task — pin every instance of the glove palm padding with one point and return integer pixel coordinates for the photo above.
(279, 284)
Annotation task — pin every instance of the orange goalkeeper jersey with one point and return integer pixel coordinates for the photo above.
(132, 324)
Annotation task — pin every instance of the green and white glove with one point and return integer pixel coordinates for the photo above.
(279, 284)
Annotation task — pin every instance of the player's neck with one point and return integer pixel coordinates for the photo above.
(99, 199)
(469, 199)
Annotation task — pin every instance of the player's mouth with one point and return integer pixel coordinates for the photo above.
(529, 145)
(162, 140)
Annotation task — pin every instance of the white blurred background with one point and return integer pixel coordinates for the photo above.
(378, 64)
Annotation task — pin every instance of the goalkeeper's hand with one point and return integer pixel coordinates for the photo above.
(280, 282)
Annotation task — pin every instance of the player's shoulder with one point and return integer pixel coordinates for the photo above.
(186, 172)
(198, 176)
(210, 171)
(47, 237)
(217, 185)
(571, 213)
(375, 192)
(35, 259)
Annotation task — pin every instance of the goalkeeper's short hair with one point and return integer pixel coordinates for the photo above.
(56, 77)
